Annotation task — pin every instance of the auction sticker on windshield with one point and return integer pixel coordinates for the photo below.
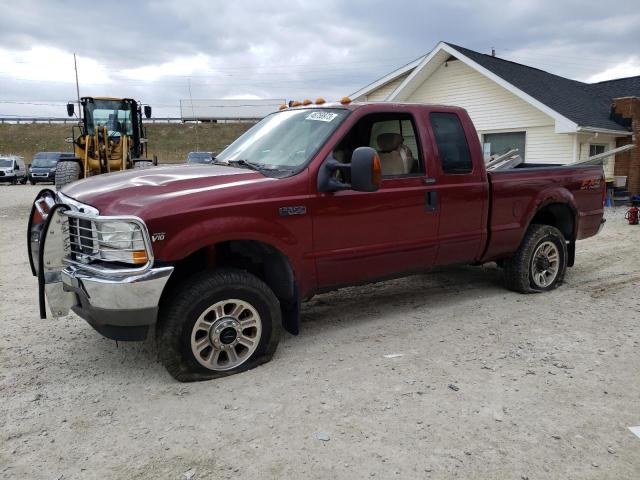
(322, 116)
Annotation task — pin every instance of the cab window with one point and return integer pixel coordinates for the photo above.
(453, 148)
(393, 136)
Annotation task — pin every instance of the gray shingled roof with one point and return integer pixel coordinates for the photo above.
(587, 104)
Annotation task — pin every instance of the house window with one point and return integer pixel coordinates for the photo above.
(453, 148)
(499, 143)
(595, 149)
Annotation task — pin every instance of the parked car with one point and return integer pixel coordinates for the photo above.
(200, 157)
(12, 169)
(44, 164)
(311, 199)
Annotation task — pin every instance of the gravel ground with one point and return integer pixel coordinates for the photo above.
(486, 383)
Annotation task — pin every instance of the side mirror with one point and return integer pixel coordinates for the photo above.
(70, 109)
(147, 111)
(366, 172)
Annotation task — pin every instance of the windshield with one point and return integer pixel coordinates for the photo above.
(113, 114)
(44, 162)
(285, 140)
(6, 163)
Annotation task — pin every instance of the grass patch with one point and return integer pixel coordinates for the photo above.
(169, 141)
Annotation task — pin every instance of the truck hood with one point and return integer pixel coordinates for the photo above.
(139, 191)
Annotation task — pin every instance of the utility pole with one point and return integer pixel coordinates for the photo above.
(75, 65)
(193, 112)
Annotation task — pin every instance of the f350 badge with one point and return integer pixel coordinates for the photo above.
(296, 210)
(157, 237)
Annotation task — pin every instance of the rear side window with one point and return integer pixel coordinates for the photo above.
(453, 148)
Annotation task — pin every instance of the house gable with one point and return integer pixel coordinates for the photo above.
(490, 105)
(441, 54)
(381, 93)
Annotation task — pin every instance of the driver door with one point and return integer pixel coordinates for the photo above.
(363, 236)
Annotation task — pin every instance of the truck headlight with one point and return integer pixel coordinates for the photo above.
(122, 241)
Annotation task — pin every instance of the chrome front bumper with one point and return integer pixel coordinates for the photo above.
(119, 307)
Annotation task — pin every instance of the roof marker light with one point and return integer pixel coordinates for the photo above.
(296, 104)
(282, 107)
(345, 100)
(307, 102)
(320, 101)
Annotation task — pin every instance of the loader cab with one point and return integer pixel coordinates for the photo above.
(120, 117)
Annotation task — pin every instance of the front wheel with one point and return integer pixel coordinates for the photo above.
(217, 324)
(67, 172)
(540, 263)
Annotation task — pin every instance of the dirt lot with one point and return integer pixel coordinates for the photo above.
(490, 384)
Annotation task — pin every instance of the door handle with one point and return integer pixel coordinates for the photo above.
(428, 180)
(431, 201)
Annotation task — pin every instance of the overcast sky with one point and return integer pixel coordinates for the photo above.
(152, 51)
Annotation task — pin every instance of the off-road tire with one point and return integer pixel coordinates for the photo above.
(182, 306)
(66, 172)
(518, 269)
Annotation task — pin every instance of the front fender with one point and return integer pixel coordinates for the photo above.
(181, 244)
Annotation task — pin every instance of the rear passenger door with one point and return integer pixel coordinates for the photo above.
(462, 189)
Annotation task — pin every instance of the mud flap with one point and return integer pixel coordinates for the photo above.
(571, 254)
(51, 252)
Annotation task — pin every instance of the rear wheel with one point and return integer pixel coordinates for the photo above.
(217, 324)
(67, 172)
(540, 263)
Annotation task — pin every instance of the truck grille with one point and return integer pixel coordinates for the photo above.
(82, 240)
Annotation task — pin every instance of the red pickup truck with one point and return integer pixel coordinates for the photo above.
(218, 257)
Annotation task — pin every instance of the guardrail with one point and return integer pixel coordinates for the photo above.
(50, 120)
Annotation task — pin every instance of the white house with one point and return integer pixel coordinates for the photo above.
(550, 119)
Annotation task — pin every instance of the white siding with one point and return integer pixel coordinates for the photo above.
(490, 106)
(382, 92)
(546, 146)
(542, 144)
(585, 140)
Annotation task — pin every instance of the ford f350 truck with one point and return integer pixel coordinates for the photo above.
(218, 257)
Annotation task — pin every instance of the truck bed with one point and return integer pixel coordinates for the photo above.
(516, 194)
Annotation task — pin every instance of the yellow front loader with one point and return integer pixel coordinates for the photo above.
(111, 138)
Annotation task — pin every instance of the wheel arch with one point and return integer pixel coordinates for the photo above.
(260, 258)
(559, 212)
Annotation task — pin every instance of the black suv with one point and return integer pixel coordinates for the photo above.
(43, 166)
